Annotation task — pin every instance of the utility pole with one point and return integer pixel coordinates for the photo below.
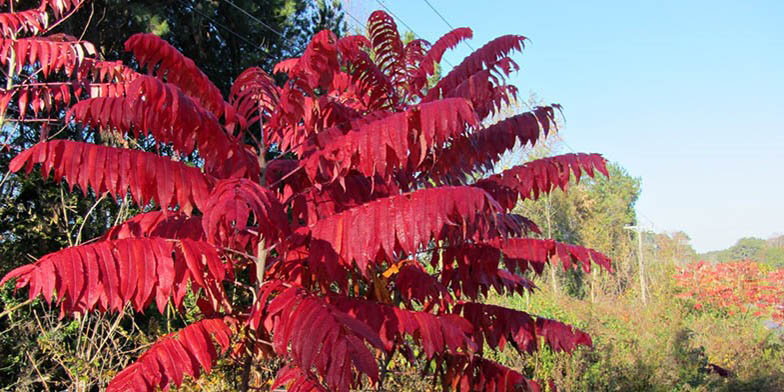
(643, 290)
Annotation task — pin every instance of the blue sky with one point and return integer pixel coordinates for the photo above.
(687, 95)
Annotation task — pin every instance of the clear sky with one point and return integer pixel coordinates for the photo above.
(688, 95)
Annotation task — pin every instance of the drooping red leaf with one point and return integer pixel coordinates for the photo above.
(52, 54)
(230, 205)
(29, 21)
(480, 149)
(473, 373)
(387, 46)
(496, 326)
(152, 107)
(523, 253)
(392, 142)
(541, 176)
(115, 170)
(93, 71)
(158, 224)
(109, 274)
(156, 54)
(60, 7)
(296, 380)
(335, 349)
(486, 57)
(254, 95)
(404, 223)
(434, 54)
(435, 333)
(561, 337)
(415, 284)
(413, 54)
(471, 270)
(372, 87)
(320, 60)
(487, 92)
(312, 204)
(175, 355)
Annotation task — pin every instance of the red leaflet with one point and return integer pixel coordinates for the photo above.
(156, 54)
(434, 54)
(415, 284)
(59, 7)
(295, 380)
(486, 91)
(320, 60)
(311, 204)
(541, 176)
(184, 124)
(473, 373)
(480, 149)
(334, 348)
(404, 223)
(175, 355)
(373, 88)
(525, 252)
(499, 325)
(561, 337)
(228, 210)
(486, 57)
(436, 333)
(386, 44)
(93, 70)
(392, 142)
(158, 224)
(29, 21)
(254, 95)
(51, 53)
(413, 54)
(106, 275)
(496, 325)
(477, 271)
(117, 171)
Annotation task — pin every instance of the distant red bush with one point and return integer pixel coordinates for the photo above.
(739, 286)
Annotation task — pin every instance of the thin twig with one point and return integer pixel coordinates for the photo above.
(32, 362)
(64, 18)
(111, 330)
(65, 216)
(9, 311)
(87, 215)
(89, 19)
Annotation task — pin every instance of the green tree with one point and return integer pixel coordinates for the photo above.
(592, 213)
(748, 248)
(674, 247)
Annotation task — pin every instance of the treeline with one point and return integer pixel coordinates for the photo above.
(770, 251)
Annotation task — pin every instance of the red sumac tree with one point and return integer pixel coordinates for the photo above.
(332, 221)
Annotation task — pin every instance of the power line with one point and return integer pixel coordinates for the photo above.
(445, 21)
(261, 22)
(222, 26)
(398, 18)
(359, 22)
(407, 26)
